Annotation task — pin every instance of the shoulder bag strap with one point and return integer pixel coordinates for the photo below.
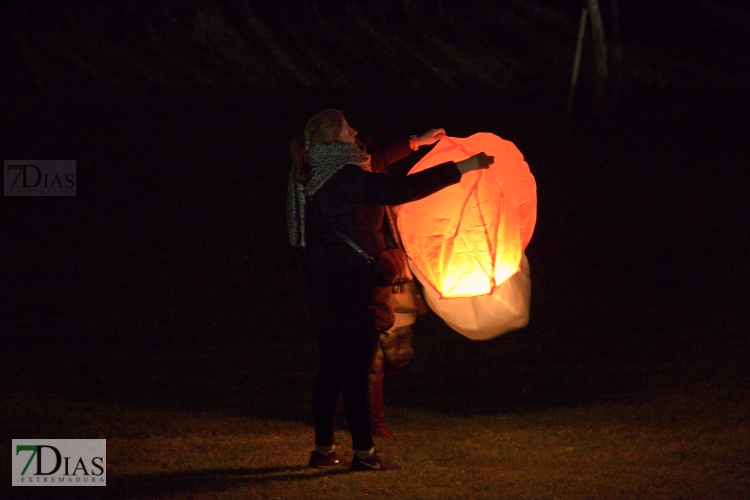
(356, 247)
(346, 239)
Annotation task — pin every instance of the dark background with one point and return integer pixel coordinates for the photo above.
(166, 281)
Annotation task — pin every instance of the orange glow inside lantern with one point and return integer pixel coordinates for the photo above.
(468, 239)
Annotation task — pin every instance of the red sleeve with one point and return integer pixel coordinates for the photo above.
(388, 152)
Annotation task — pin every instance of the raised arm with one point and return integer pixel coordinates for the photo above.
(389, 152)
(368, 188)
(382, 189)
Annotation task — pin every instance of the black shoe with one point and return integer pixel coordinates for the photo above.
(319, 460)
(372, 464)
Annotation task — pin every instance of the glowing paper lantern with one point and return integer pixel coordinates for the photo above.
(467, 240)
(485, 316)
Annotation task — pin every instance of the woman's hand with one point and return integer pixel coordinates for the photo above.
(431, 136)
(476, 162)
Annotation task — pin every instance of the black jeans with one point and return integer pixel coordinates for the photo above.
(349, 315)
(346, 359)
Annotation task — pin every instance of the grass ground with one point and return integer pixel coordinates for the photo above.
(686, 436)
(159, 308)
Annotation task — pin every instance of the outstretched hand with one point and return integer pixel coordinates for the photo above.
(431, 136)
(476, 162)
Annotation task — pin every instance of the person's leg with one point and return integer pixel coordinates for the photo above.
(356, 391)
(379, 429)
(328, 388)
(366, 459)
(378, 409)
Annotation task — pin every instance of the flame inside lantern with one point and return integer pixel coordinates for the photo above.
(468, 239)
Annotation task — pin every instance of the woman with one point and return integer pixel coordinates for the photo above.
(338, 185)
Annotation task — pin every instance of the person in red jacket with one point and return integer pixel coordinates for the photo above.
(338, 185)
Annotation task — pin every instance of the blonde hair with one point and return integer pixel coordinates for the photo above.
(323, 128)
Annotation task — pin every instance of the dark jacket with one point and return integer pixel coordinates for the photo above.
(353, 201)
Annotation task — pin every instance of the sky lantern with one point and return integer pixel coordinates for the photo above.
(466, 242)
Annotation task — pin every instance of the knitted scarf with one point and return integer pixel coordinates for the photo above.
(325, 160)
